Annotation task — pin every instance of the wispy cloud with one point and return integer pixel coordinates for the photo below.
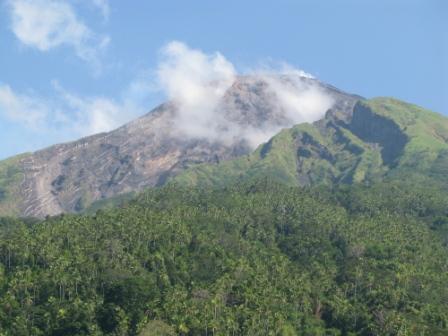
(48, 24)
(26, 109)
(68, 115)
(90, 115)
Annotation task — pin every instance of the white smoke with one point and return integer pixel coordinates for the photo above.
(302, 101)
(196, 82)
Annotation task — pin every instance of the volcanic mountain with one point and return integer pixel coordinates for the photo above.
(261, 128)
(152, 149)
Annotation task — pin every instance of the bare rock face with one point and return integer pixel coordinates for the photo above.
(148, 151)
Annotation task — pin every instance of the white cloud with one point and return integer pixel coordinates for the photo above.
(196, 82)
(68, 116)
(27, 109)
(299, 99)
(90, 115)
(47, 24)
(302, 101)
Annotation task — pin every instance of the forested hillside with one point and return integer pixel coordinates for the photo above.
(252, 259)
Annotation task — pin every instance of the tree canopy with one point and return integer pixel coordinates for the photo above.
(252, 259)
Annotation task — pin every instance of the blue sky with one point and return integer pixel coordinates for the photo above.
(73, 68)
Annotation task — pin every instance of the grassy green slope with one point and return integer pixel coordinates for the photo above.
(386, 138)
(276, 159)
(427, 132)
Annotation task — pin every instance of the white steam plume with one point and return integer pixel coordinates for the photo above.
(302, 101)
(197, 83)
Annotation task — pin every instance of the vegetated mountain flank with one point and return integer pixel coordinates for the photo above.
(144, 153)
(382, 138)
(252, 259)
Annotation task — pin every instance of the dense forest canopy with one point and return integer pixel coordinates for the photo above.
(257, 258)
